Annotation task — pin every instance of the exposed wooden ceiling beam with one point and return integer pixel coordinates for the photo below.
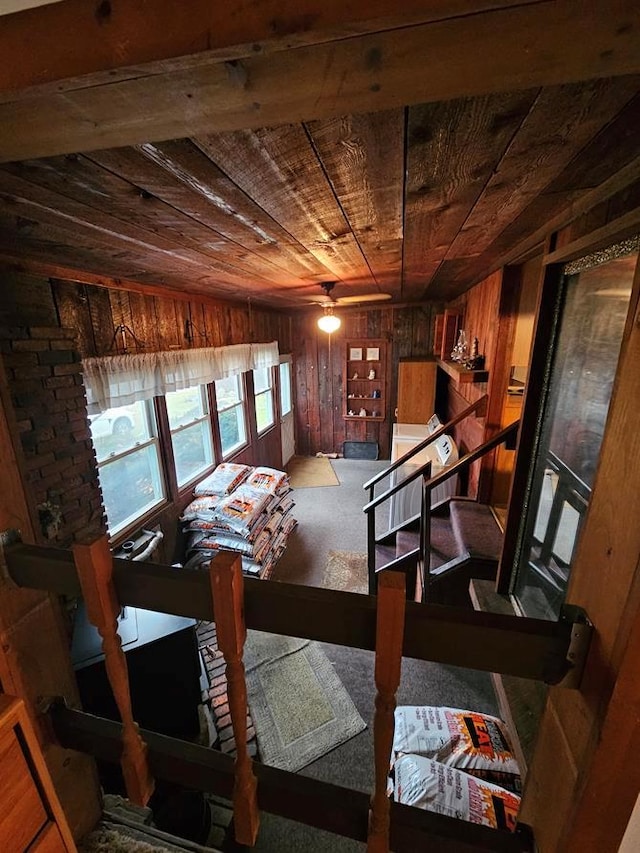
(84, 43)
(495, 50)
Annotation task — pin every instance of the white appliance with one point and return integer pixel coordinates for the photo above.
(442, 452)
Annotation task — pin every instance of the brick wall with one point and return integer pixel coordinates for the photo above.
(45, 384)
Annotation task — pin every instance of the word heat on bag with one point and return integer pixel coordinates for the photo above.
(476, 743)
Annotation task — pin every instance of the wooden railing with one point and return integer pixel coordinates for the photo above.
(394, 627)
(429, 484)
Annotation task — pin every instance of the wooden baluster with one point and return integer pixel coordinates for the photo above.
(389, 639)
(227, 591)
(94, 566)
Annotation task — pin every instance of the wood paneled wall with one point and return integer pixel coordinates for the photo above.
(479, 309)
(319, 368)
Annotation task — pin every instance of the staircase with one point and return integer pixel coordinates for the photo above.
(465, 543)
(457, 539)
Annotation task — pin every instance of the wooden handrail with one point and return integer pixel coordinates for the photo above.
(447, 472)
(474, 407)
(529, 648)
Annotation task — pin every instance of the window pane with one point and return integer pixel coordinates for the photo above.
(285, 388)
(584, 366)
(228, 392)
(131, 486)
(185, 406)
(119, 429)
(232, 429)
(192, 451)
(264, 410)
(261, 379)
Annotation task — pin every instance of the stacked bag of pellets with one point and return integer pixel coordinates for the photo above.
(457, 763)
(240, 508)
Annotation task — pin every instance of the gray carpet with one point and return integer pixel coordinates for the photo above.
(332, 519)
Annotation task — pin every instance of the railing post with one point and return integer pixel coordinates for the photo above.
(94, 566)
(389, 640)
(371, 550)
(227, 592)
(425, 535)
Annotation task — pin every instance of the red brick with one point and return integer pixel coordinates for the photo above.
(57, 443)
(58, 466)
(58, 382)
(45, 434)
(56, 357)
(39, 461)
(69, 393)
(20, 359)
(50, 332)
(68, 344)
(29, 346)
(66, 369)
(24, 425)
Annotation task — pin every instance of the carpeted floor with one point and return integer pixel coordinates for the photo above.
(331, 520)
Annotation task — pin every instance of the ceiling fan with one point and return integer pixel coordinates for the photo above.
(352, 299)
(328, 322)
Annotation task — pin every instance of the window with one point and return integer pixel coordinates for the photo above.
(190, 428)
(231, 418)
(126, 445)
(285, 388)
(263, 398)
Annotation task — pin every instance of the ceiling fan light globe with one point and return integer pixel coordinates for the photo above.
(329, 323)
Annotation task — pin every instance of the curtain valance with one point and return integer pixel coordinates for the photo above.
(119, 380)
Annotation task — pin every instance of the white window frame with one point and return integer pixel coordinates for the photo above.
(221, 409)
(199, 420)
(268, 393)
(153, 441)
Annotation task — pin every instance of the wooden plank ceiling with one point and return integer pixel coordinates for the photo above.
(417, 200)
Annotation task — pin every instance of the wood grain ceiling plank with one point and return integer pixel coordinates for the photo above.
(280, 170)
(185, 161)
(80, 179)
(363, 157)
(544, 43)
(207, 196)
(35, 230)
(111, 42)
(562, 121)
(41, 205)
(452, 150)
(610, 159)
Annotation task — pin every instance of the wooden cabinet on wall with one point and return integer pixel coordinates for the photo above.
(416, 391)
(445, 333)
(365, 380)
(31, 817)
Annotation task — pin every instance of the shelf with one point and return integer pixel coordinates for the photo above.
(462, 374)
(362, 418)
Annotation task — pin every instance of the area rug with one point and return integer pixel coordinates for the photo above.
(299, 706)
(311, 471)
(346, 571)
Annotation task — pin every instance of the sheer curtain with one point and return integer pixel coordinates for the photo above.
(119, 380)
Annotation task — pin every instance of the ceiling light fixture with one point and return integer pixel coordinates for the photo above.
(328, 322)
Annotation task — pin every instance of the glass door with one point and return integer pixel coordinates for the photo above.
(594, 305)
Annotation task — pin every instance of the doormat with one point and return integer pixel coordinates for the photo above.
(299, 706)
(311, 471)
(346, 571)
(360, 449)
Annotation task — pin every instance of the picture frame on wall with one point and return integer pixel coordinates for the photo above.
(355, 353)
(373, 353)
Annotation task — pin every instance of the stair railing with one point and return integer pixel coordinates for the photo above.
(429, 484)
(478, 408)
